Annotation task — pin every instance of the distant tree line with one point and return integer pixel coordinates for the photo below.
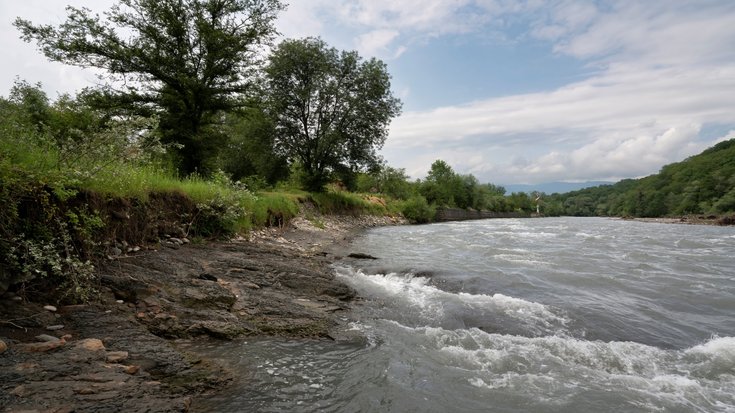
(701, 184)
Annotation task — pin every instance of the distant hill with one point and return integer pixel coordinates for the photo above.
(701, 184)
(553, 187)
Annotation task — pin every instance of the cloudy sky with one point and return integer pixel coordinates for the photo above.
(511, 91)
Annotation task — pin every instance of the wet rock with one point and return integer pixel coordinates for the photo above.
(49, 308)
(208, 295)
(127, 288)
(250, 285)
(218, 329)
(361, 256)
(207, 277)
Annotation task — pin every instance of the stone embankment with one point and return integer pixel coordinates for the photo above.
(120, 354)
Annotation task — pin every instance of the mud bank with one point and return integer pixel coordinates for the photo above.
(121, 354)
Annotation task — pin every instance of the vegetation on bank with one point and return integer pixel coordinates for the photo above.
(703, 184)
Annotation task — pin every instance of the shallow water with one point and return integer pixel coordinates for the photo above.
(534, 315)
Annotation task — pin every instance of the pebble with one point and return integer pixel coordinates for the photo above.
(131, 369)
(16, 298)
(117, 356)
(47, 338)
(41, 347)
(49, 308)
(176, 241)
(185, 240)
(119, 301)
(90, 344)
(55, 327)
(3, 347)
(115, 251)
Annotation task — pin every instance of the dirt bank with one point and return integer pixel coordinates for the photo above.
(119, 354)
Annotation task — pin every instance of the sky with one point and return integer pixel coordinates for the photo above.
(511, 91)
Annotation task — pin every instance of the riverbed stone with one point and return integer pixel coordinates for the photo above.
(41, 347)
(90, 344)
(3, 347)
(117, 356)
(47, 338)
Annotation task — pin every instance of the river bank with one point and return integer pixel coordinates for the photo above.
(722, 220)
(120, 354)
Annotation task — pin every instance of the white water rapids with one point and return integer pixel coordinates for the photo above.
(535, 315)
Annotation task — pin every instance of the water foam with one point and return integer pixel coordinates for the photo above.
(417, 292)
(700, 378)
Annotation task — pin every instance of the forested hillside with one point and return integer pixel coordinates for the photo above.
(701, 184)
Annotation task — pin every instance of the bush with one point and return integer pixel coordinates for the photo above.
(417, 210)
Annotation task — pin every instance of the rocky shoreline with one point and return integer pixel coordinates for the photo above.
(723, 220)
(120, 354)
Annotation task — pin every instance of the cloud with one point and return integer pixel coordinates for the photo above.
(664, 71)
(375, 42)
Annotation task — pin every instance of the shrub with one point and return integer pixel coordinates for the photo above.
(417, 210)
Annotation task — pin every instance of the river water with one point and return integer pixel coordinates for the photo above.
(514, 315)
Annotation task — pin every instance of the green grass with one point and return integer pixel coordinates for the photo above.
(341, 202)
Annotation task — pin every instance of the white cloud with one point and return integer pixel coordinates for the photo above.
(375, 42)
(665, 71)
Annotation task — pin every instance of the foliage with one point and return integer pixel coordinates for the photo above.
(388, 181)
(185, 60)
(701, 184)
(417, 210)
(445, 188)
(331, 109)
(342, 202)
(44, 245)
(250, 153)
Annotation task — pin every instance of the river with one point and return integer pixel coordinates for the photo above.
(514, 315)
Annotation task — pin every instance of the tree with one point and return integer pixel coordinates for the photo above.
(331, 109)
(438, 186)
(250, 153)
(185, 60)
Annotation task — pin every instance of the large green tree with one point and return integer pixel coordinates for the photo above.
(331, 109)
(185, 60)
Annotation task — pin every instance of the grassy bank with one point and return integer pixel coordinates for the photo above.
(58, 218)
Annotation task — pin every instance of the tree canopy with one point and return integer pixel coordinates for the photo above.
(701, 184)
(331, 109)
(184, 60)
